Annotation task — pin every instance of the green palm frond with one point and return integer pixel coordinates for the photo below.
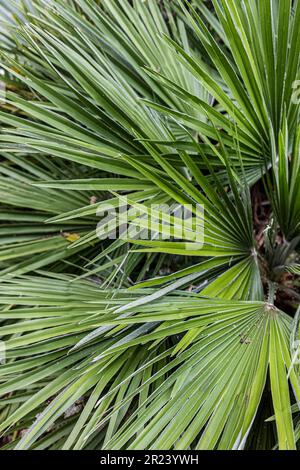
(222, 337)
(182, 339)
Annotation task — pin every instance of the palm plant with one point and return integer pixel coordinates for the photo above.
(150, 344)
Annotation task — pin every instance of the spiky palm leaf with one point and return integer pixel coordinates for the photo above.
(160, 102)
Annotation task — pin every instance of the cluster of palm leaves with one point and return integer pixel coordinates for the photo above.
(150, 344)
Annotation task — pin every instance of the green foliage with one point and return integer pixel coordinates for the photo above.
(150, 344)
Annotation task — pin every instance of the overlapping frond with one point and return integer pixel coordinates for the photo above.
(177, 339)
